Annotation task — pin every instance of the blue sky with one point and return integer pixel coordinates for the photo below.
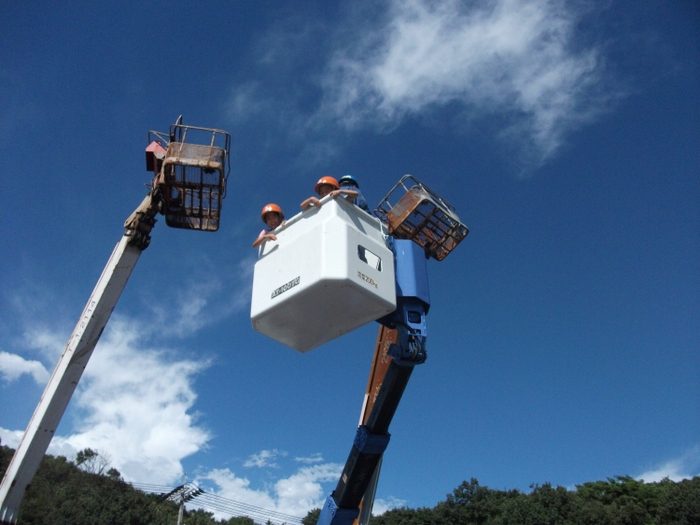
(564, 331)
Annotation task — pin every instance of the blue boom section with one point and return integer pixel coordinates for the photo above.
(411, 272)
(413, 302)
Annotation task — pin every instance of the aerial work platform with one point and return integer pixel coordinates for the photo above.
(189, 181)
(329, 272)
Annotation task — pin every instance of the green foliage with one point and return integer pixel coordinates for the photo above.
(199, 517)
(61, 493)
(66, 493)
(85, 455)
(114, 474)
(92, 461)
(240, 520)
(619, 501)
(311, 518)
(404, 516)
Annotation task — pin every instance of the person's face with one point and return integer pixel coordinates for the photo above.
(324, 189)
(272, 219)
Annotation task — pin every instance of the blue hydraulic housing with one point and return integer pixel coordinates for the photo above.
(412, 303)
(411, 271)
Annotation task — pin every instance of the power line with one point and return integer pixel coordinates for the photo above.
(214, 502)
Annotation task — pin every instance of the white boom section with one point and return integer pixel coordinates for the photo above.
(65, 378)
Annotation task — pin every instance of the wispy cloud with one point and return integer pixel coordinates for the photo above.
(206, 299)
(12, 366)
(314, 458)
(686, 466)
(512, 58)
(382, 505)
(265, 458)
(515, 64)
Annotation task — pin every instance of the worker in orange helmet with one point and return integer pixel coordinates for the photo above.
(273, 217)
(327, 185)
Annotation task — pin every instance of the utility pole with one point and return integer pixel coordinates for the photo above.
(182, 502)
(182, 495)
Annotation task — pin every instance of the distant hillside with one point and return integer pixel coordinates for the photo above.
(61, 493)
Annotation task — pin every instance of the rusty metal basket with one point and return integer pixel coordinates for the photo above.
(423, 216)
(193, 177)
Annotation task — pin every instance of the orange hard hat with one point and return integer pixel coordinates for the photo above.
(327, 180)
(271, 207)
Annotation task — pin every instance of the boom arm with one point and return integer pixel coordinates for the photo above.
(380, 365)
(74, 359)
(400, 346)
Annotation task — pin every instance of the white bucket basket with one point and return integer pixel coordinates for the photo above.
(328, 273)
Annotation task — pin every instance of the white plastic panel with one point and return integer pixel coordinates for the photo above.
(328, 273)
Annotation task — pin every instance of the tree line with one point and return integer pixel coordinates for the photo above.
(621, 500)
(86, 492)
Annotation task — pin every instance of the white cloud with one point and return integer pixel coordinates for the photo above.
(685, 467)
(12, 366)
(135, 399)
(382, 505)
(49, 343)
(11, 438)
(134, 403)
(295, 495)
(515, 66)
(314, 458)
(237, 489)
(512, 58)
(265, 458)
(302, 491)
